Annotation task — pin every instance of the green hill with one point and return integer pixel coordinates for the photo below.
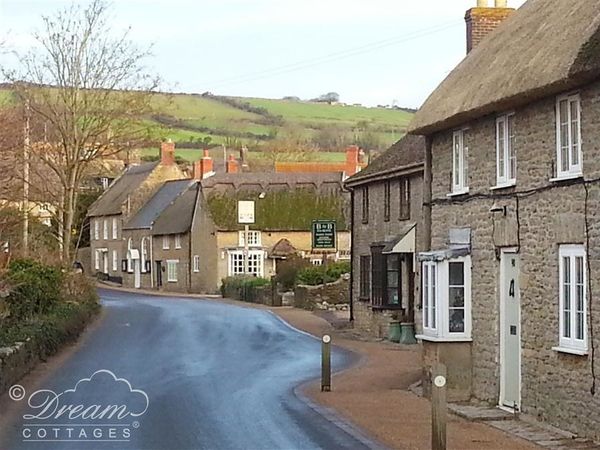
(192, 121)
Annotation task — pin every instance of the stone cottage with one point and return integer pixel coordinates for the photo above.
(386, 200)
(512, 170)
(125, 196)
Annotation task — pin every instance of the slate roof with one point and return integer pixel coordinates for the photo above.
(407, 152)
(167, 194)
(177, 217)
(110, 202)
(545, 48)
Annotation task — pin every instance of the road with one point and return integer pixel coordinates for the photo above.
(214, 375)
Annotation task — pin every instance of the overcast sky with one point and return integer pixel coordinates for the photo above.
(369, 51)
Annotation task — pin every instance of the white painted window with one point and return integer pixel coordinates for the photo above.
(255, 263)
(105, 229)
(447, 298)
(506, 156)
(460, 165)
(115, 228)
(172, 270)
(105, 182)
(573, 297)
(115, 261)
(177, 241)
(97, 260)
(254, 238)
(129, 260)
(144, 254)
(96, 229)
(569, 156)
(166, 243)
(196, 263)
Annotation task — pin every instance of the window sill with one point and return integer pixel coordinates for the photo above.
(571, 351)
(364, 299)
(571, 176)
(458, 193)
(171, 281)
(503, 186)
(425, 337)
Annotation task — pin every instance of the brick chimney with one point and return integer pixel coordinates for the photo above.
(167, 153)
(483, 19)
(232, 165)
(203, 168)
(352, 160)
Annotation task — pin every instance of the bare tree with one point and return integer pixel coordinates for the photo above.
(90, 90)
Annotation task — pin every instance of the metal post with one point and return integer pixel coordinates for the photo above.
(326, 364)
(246, 246)
(438, 407)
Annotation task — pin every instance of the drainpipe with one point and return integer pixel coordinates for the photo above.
(351, 255)
(151, 239)
(427, 196)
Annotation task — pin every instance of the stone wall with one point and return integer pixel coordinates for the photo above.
(555, 386)
(309, 297)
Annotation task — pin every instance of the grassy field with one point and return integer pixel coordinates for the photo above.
(253, 122)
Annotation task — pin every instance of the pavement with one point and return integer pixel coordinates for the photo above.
(178, 373)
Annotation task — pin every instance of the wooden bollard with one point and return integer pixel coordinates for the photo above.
(438, 407)
(326, 363)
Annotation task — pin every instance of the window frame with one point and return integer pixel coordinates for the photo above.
(505, 150)
(96, 229)
(196, 263)
(573, 170)
(115, 261)
(364, 277)
(166, 244)
(105, 229)
(115, 228)
(255, 238)
(435, 300)
(387, 193)
(172, 264)
(177, 241)
(460, 163)
(97, 260)
(365, 204)
(572, 252)
(237, 256)
(143, 254)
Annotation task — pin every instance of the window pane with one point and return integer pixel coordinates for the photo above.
(456, 297)
(392, 279)
(580, 304)
(457, 276)
(500, 148)
(393, 297)
(426, 293)
(465, 163)
(433, 298)
(512, 154)
(457, 160)
(566, 297)
(393, 262)
(457, 321)
(574, 132)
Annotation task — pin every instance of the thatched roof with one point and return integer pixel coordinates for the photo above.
(408, 152)
(544, 48)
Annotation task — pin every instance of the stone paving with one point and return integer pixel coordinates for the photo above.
(524, 427)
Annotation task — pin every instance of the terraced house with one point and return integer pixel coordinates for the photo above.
(125, 196)
(386, 233)
(512, 170)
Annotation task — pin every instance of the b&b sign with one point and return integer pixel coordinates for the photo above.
(324, 235)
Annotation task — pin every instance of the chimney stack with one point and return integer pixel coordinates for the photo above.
(232, 165)
(483, 19)
(203, 168)
(167, 153)
(352, 160)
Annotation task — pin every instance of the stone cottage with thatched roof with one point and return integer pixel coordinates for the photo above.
(386, 202)
(512, 193)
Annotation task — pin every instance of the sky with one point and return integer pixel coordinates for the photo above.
(369, 51)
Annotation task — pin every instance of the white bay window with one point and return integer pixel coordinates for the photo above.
(447, 299)
(255, 262)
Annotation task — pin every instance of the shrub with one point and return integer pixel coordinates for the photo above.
(315, 275)
(36, 288)
(287, 271)
(242, 287)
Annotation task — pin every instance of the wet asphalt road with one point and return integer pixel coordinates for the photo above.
(216, 376)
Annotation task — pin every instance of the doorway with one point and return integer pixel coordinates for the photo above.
(510, 331)
(158, 275)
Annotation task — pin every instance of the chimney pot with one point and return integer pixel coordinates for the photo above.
(482, 3)
(167, 153)
(501, 3)
(203, 168)
(205, 154)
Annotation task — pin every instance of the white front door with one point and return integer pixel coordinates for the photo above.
(136, 274)
(510, 331)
